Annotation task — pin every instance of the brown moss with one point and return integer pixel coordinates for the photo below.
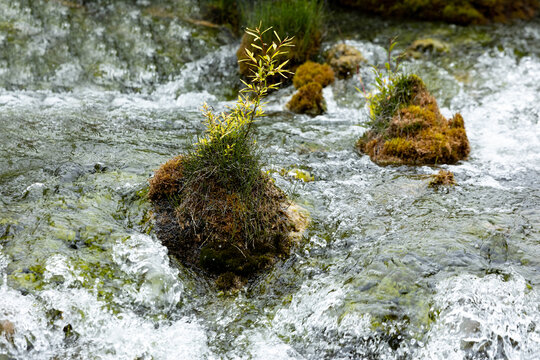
(313, 72)
(308, 100)
(455, 11)
(417, 134)
(220, 232)
(443, 177)
(344, 60)
(166, 180)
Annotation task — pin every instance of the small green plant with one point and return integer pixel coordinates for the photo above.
(227, 151)
(394, 89)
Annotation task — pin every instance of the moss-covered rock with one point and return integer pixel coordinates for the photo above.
(308, 100)
(313, 72)
(443, 177)
(455, 11)
(230, 236)
(344, 60)
(428, 45)
(412, 130)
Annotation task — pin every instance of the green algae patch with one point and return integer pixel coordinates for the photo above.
(407, 128)
(454, 11)
(344, 60)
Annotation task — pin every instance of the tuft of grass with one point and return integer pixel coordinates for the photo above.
(301, 19)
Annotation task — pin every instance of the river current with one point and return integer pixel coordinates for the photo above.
(94, 98)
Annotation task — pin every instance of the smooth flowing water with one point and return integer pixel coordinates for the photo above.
(94, 98)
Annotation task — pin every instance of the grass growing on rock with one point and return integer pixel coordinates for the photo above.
(302, 19)
(216, 210)
(406, 126)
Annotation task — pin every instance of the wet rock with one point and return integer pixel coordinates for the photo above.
(344, 60)
(69, 171)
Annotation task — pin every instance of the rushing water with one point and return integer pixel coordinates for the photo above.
(94, 97)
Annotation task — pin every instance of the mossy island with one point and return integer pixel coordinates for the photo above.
(309, 79)
(406, 126)
(215, 209)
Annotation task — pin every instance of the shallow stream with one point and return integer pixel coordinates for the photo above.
(94, 98)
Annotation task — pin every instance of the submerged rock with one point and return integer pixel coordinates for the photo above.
(413, 131)
(344, 60)
(229, 236)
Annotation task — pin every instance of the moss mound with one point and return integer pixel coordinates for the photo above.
(408, 128)
(308, 100)
(443, 177)
(455, 11)
(344, 60)
(313, 72)
(229, 235)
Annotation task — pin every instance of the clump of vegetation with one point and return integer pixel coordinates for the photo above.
(406, 126)
(455, 11)
(308, 100)
(344, 60)
(216, 210)
(313, 72)
(443, 177)
(309, 79)
(302, 19)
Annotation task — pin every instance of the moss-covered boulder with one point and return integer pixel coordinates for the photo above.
(313, 72)
(228, 235)
(344, 60)
(408, 128)
(427, 45)
(308, 100)
(455, 11)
